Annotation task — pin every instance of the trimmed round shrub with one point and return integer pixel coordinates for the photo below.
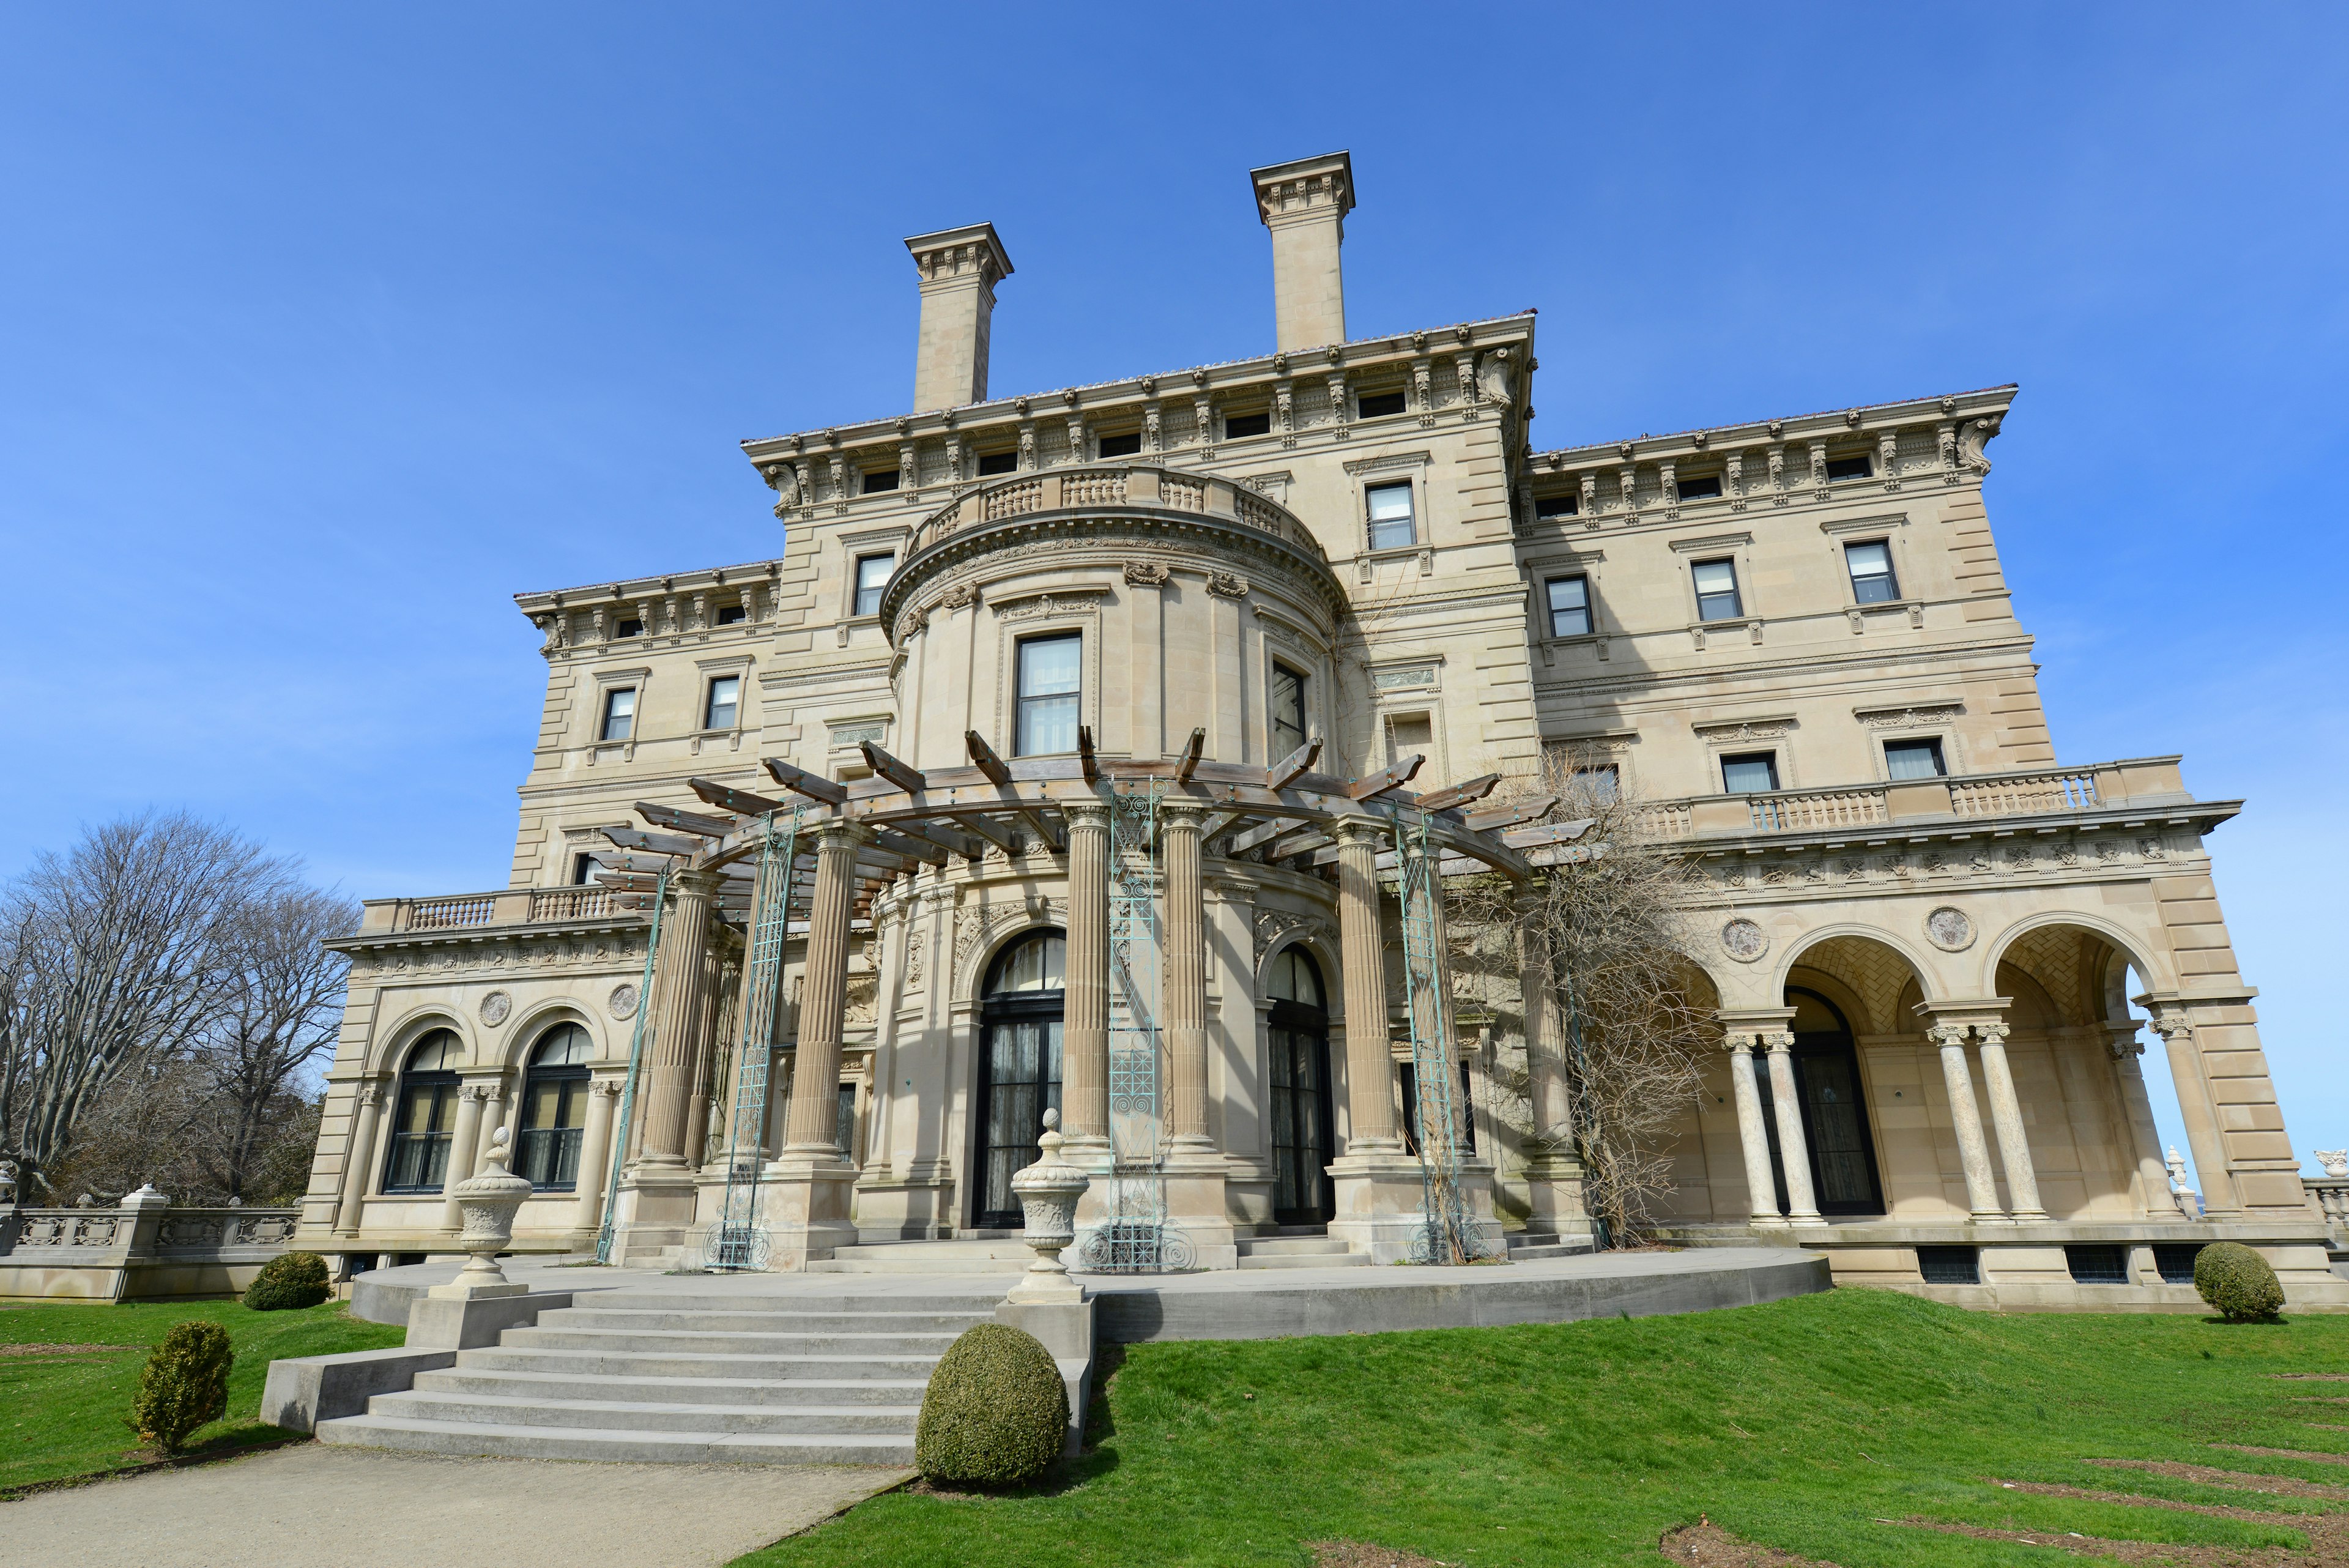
(184, 1384)
(2238, 1281)
(995, 1414)
(289, 1280)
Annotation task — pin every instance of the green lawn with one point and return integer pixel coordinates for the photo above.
(1805, 1425)
(61, 1412)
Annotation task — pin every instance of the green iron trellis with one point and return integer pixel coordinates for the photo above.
(1448, 1238)
(736, 1240)
(636, 1063)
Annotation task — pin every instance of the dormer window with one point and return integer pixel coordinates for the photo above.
(1860, 465)
(1704, 489)
(1240, 427)
(1126, 445)
(877, 479)
(1379, 405)
(994, 462)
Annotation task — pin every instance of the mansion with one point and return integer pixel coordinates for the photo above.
(1076, 751)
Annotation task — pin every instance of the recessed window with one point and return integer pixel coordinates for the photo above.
(1913, 759)
(1378, 405)
(1856, 467)
(1409, 735)
(582, 871)
(554, 1110)
(1716, 591)
(1949, 1265)
(620, 714)
(2175, 1260)
(1048, 694)
(427, 1112)
(1288, 710)
(1125, 446)
(871, 575)
(1600, 784)
(732, 615)
(1569, 607)
(1871, 563)
(1755, 772)
(877, 479)
(1240, 427)
(1703, 489)
(631, 627)
(994, 462)
(1393, 528)
(2097, 1263)
(725, 702)
(1562, 505)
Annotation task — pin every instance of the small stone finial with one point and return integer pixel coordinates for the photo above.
(2336, 1161)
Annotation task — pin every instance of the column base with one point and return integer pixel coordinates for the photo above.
(805, 1207)
(654, 1214)
(1556, 1184)
(1196, 1207)
(1382, 1206)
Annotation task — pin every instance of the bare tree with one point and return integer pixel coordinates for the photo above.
(1613, 911)
(114, 957)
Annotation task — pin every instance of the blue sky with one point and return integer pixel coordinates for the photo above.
(326, 329)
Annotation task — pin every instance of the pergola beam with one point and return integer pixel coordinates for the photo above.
(1188, 762)
(905, 778)
(798, 781)
(1292, 767)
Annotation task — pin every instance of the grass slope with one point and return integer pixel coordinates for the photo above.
(61, 1411)
(1805, 1423)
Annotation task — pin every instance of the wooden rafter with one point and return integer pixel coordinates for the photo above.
(1188, 762)
(800, 782)
(888, 767)
(1294, 766)
(1472, 790)
(1371, 785)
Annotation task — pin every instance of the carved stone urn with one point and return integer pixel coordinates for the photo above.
(2334, 1160)
(488, 1201)
(1047, 1193)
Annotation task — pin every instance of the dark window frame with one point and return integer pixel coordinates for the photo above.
(991, 463)
(857, 591)
(732, 615)
(1121, 444)
(878, 480)
(1390, 403)
(1932, 743)
(1708, 605)
(1023, 703)
(1589, 627)
(1372, 523)
(1769, 759)
(709, 703)
(1860, 583)
(1256, 422)
(552, 1149)
(1855, 465)
(1695, 488)
(1283, 744)
(418, 1163)
(1565, 503)
(628, 720)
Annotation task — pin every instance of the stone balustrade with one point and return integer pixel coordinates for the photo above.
(144, 1250)
(2142, 783)
(2331, 1196)
(506, 906)
(1122, 486)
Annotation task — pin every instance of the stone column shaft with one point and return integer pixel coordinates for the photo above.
(1187, 972)
(1085, 1030)
(471, 1097)
(2006, 1117)
(2194, 1108)
(359, 1163)
(2143, 1133)
(812, 1127)
(1794, 1147)
(1753, 1135)
(596, 1152)
(676, 1015)
(1546, 1034)
(1369, 1074)
(1965, 1116)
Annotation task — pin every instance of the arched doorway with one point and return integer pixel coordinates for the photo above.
(1298, 1041)
(1019, 1070)
(419, 1159)
(554, 1109)
(1843, 1179)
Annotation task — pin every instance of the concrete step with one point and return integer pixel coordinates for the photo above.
(1009, 1249)
(651, 1321)
(1517, 1239)
(418, 1436)
(644, 1415)
(1532, 1254)
(1306, 1261)
(848, 1262)
(844, 1299)
(642, 1363)
(828, 1392)
(1291, 1247)
(726, 1342)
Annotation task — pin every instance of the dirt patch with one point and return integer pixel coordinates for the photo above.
(24, 1352)
(2272, 1486)
(1709, 1546)
(1362, 1554)
(2164, 1554)
(2311, 1457)
(2310, 1377)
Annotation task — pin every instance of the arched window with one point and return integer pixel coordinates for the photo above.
(1019, 1069)
(1296, 1041)
(427, 1105)
(554, 1109)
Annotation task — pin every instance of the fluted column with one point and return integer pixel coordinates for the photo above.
(1973, 1153)
(2143, 1133)
(470, 1099)
(812, 1129)
(2006, 1117)
(1187, 972)
(1084, 1027)
(596, 1152)
(678, 971)
(1794, 1147)
(1369, 1074)
(1753, 1134)
(2195, 1108)
(359, 1163)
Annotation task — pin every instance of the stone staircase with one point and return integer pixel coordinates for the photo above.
(788, 1379)
(1525, 1246)
(1298, 1247)
(997, 1254)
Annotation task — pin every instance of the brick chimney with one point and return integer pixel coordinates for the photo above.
(959, 269)
(1305, 204)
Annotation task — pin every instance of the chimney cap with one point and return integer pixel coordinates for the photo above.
(980, 236)
(1332, 173)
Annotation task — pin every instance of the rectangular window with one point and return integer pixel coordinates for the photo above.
(1949, 1265)
(1240, 427)
(1048, 695)
(1565, 505)
(1126, 445)
(1753, 773)
(631, 628)
(1858, 467)
(582, 871)
(877, 479)
(1913, 759)
(2175, 1260)
(1410, 735)
(1870, 565)
(1716, 591)
(871, 575)
(994, 462)
(1288, 710)
(1378, 405)
(2097, 1263)
(732, 615)
(620, 714)
(1600, 784)
(1393, 528)
(1703, 489)
(1569, 607)
(725, 702)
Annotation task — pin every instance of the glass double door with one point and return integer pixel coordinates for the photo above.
(1018, 1081)
(1299, 1046)
(1834, 1125)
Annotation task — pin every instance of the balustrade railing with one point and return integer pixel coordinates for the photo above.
(474, 911)
(1821, 808)
(2024, 794)
(571, 904)
(2038, 792)
(2332, 1195)
(180, 1230)
(442, 914)
(1123, 485)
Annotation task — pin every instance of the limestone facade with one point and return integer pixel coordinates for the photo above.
(1791, 640)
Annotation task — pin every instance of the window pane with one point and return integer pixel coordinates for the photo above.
(1749, 774)
(1871, 573)
(1715, 577)
(1569, 607)
(1598, 785)
(1288, 710)
(725, 697)
(1391, 527)
(871, 575)
(620, 714)
(1914, 759)
(1047, 665)
(1048, 695)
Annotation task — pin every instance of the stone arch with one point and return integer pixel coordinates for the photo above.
(1873, 967)
(396, 1042)
(523, 1034)
(1279, 929)
(982, 930)
(2017, 936)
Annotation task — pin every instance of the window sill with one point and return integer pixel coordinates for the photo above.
(1751, 624)
(701, 738)
(1858, 614)
(611, 751)
(848, 624)
(1595, 641)
(1370, 560)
